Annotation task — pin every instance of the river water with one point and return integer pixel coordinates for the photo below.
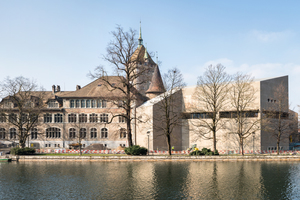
(150, 180)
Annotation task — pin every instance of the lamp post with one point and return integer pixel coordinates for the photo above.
(253, 134)
(148, 133)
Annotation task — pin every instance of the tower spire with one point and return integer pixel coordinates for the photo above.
(146, 53)
(140, 36)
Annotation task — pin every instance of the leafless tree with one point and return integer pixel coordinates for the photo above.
(128, 70)
(277, 118)
(170, 115)
(242, 97)
(211, 96)
(21, 106)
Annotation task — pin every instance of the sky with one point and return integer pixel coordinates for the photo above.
(58, 42)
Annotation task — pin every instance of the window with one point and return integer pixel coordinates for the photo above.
(83, 145)
(33, 117)
(82, 133)
(122, 119)
(46, 145)
(53, 104)
(122, 133)
(99, 103)
(58, 118)
(201, 115)
(12, 118)
(104, 104)
(88, 103)
(82, 103)
(47, 118)
(12, 133)
(77, 103)
(52, 133)
(83, 118)
(93, 103)
(2, 118)
(2, 133)
(93, 118)
(72, 118)
(24, 118)
(72, 133)
(93, 133)
(34, 133)
(72, 104)
(104, 133)
(103, 118)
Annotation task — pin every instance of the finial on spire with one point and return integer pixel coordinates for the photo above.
(140, 36)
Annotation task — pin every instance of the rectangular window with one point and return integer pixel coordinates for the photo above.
(72, 104)
(82, 103)
(104, 104)
(93, 103)
(53, 104)
(99, 102)
(77, 103)
(88, 103)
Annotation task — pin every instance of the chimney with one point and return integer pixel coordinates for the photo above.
(78, 87)
(58, 88)
(53, 89)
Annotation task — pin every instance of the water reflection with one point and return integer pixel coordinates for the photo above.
(150, 180)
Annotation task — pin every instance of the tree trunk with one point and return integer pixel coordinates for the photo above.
(277, 147)
(214, 141)
(242, 146)
(80, 153)
(169, 144)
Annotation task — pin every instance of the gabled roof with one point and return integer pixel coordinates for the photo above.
(139, 56)
(98, 89)
(156, 85)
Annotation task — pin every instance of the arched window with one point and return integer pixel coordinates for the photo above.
(122, 133)
(47, 118)
(12, 133)
(72, 104)
(72, 133)
(83, 118)
(52, 133)
(93, 133)
(72, 117)
(34, 133)
(2, 133)
(104, 133)
(103, 118)
(93, 118)
(82, 133)
(58, 118)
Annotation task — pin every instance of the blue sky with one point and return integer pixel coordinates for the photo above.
(59, 42)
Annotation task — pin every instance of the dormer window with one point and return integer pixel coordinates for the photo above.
(52, 104)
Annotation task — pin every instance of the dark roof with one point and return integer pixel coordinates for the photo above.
(156, 85)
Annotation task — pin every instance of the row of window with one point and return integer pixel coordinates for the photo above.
(82, 118)
(56, 133)
(12, 117)
(87, 103)
(229, 114)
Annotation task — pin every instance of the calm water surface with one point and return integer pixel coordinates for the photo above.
(150, 180)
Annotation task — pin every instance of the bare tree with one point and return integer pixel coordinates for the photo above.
(21, 106)
(170, 116)
(128, 72)
(242, 97)
(277, 118)
(211, 96)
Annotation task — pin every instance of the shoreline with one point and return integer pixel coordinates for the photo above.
(154, 158)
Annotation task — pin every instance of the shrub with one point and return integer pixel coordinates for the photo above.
(204, 151)
(24, 151)
(136, 150)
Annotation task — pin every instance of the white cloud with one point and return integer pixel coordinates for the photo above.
(266, 36)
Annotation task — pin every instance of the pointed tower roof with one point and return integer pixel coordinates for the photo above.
(146, 54)
(140, 36)
(156, 85)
